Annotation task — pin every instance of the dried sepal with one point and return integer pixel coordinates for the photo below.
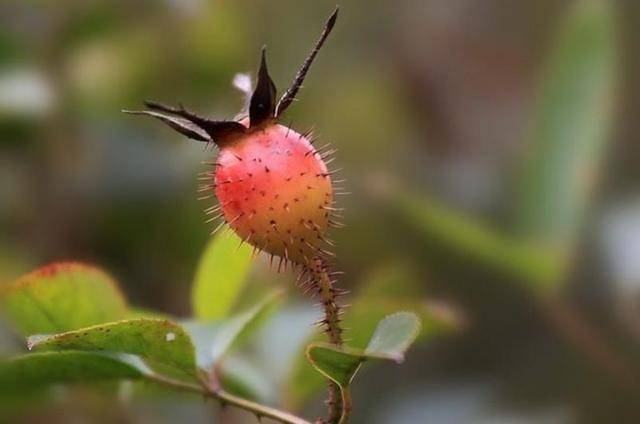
(181, 125)
(263, 101)
(192, 125)
(290, 95)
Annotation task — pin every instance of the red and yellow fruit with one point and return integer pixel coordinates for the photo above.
(275, 192)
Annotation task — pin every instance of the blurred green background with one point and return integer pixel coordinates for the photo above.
(490, 147)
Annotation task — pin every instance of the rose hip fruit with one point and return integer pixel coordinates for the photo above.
(272, 184)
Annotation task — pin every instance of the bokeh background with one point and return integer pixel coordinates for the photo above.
(490, 146)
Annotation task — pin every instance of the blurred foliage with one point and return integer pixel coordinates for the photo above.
(477, 242)
(570, 129)
(570, 132)
(214, 340)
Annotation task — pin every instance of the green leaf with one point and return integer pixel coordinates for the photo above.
(38, 370)
(220, 276)
(164, 345)
(214, 339)
(392, 338)
(61, 297)
(340, 365)
(570, 128)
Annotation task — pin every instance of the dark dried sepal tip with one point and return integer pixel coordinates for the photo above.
(290, 95)
(192, 125)
(263, 100)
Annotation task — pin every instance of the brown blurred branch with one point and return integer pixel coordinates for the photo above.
(574, 326)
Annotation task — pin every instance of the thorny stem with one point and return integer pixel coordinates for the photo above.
(328, 294)
(321, 282)
(229, 399)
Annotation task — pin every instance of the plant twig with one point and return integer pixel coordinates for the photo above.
(229, 399)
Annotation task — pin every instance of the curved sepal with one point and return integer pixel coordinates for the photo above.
(192, 125)
(182, 125)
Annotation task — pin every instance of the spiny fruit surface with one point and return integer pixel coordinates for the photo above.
(275, 191)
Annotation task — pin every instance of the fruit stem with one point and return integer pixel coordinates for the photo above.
(327, 292)
(324, 286)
